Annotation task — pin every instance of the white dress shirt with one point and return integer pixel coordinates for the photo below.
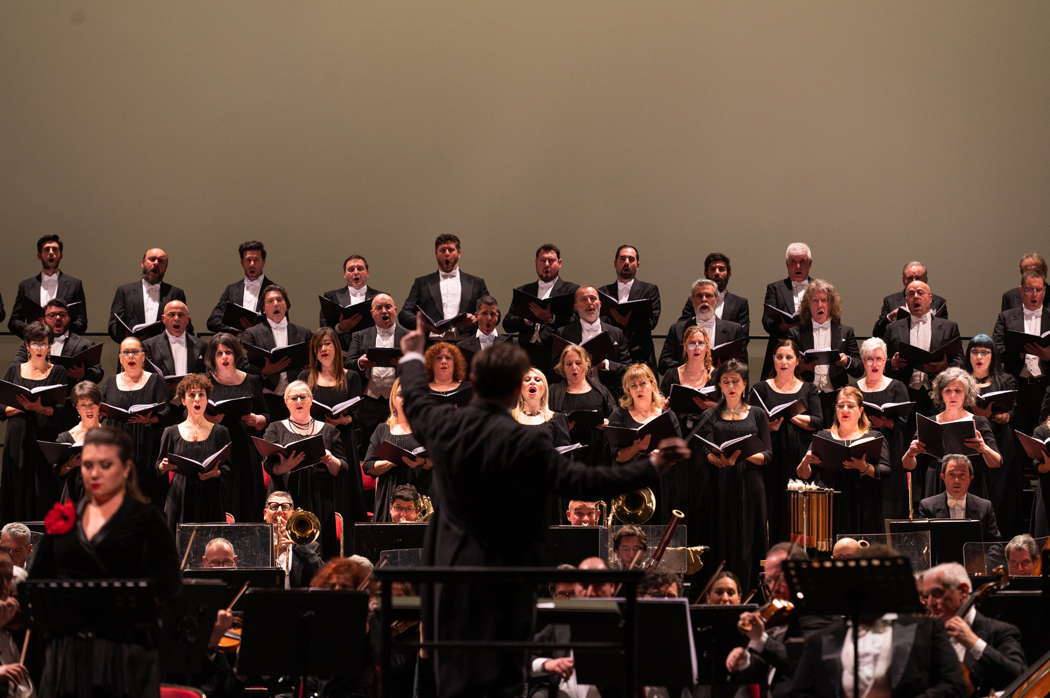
(48, 287)
(919, 336)
(280, 339)
(623, 290)
(451, 292)
(822, 342)
(544, 288)
(486, 340)
(708, 326)
(956, 507)
(721, 304)
(179, 353)
(875, 646)
(150, 301)
(358, 295)
(250, 297)
(56, 346)
(1032, 325)
(978, 647)
(798, 288)
(381, 378)
(590, 330)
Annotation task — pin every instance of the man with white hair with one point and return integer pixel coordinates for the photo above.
(705, 299)
(17, 541)
(990, 649)
(1021, 555)
(784, 298)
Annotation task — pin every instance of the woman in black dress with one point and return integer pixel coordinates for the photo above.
(789, 436)
(388, 474)
(1005, 484)
(735, 501)
(194, 498)
(859, 508)
(580, 393)
(312, 485)
(447, 372)
(533, 410)
(331, 384)
(954, 390)
(1041, 505)
(136, 386)
(244, 492)
(87, 399)
(28, 486)
(113, 533)
(880, 389)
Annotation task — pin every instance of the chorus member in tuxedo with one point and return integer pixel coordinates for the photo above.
(331, 383)
(300, 561)
(789, 436)
(1041, 505)
(628, 287)
(535, 332)
(312, 485)
(115, 534)
(859, 506)
(730, 306)
(991, 649)
(134, 385)
(87, 400)
(1030, 261)
(735, 496)
(533, 410)
(920, 328)
(28, 487)
(243, 488)
(893, 307)
(66, 343)
(446, 368)
(143, 300)
(447, 292)
(356, 290)
(388, 474)
(956, 501)
(822, 329)
(954, 392)
(245, 292)
(175, 351)
(1006, 483)
(588, 325)
(1031, 369)
(194, 498)
(580, 392)
(51, 283)
(276, 331)
(373, 409)
(879, 389)
(705, 297)
(487, 334)
(785, 295)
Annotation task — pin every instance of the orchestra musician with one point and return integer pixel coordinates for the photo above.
(413, 470)
(276, 331)
(730, 306)
(50, 284)
(14, 676)
(405, 504)
(357, 290)
(956, 501)
(141, 301)
(17, 541)
(56, 315)
(445, 293)
(725, 590)
(245, 292)
(219, 553)
(581, 513)
(300, 561)
(87, 399)
(630, 547)
(628, 287)
(893, 307)
(1022, 556)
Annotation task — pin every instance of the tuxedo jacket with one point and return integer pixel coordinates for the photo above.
(234, 293)
(73, 346)
(923, 662)
(361, 342)
(1011, 299)
(734, 308)
(1013, 319)
(936, 507)
(899, 331)
(27, 303)
(781, 651)
(158, 349)
(306, 562)
(618, 362)
(779, 294)
(262, 336)
(896, 300)
(471, 345)
(1003, 659)
(671, 355)
(425, 295)
(516, 323)
(127, 303)
(342, 297)
(843, 339)
(640, 343)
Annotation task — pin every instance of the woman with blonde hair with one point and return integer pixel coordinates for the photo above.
(409, 470)
(533, 411)
(581, 393)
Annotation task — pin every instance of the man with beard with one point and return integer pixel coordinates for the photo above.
(35, 292)
(730, 306)
(628, 287)
(357, 290)
(705, 296)
(893, 307)
(143, 301)
(445, 293)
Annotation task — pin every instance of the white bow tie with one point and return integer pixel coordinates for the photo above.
(449, 275)
(952, 503)
(822, 325)
(1033, 313)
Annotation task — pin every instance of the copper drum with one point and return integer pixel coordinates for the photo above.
(810, 523)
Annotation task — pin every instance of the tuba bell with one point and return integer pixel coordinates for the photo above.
(426, 508)
(303, 527)
(633, 507)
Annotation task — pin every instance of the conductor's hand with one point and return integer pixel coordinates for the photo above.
(669, 452)
(563, 667)
(415, 340)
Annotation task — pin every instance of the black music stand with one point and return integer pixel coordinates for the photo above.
(370, 539)
(716, 634)
(571, 544)
(322, 633)
(235, 577)
(855, 588)
(105, 607)
(188, 622)
(947, 536)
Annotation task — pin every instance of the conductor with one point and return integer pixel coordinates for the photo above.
(484, 461)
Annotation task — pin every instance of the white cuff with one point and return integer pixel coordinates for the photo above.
(978, 648)
(537, 664)
(759, 644)
(410, 356)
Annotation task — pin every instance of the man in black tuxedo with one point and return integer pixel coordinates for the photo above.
(246, 292)
(143, 300)
(445, 293)
(66, 343)
(377, 380)
(300, 561)
(589, 325)
(175, 351)
(1031, 261)
(957, 502)
(273, 332)
(357, 290)
(893, 307)
(705, 297)
(785, 296)
(535, 326)
(628, 287)
(990, 648)
(34, 292)
(487, 334)
(1030, 369)
(481, 454)
(730, 306)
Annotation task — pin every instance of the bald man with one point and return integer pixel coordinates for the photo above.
(219, 553)
(175, 351)
(143, 301)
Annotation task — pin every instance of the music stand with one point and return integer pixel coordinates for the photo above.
(855, 588)
(716, 633)
(947, 536)
(370, 539)
(322, 633)
(570, 544)
(105, 607)
(188, 622)
(235, 577)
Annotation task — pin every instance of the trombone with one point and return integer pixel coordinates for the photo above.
(301, 528)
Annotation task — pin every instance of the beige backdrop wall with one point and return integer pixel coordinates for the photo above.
(876, 131)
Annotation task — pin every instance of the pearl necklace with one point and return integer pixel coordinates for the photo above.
(301, 428)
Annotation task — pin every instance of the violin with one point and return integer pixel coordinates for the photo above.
(772, 613)
(231, 639)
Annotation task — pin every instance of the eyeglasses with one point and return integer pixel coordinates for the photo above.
(39, 346)
(130, 352)
(980, 352)
(298, 398)
(696, 345)
(279, 506)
